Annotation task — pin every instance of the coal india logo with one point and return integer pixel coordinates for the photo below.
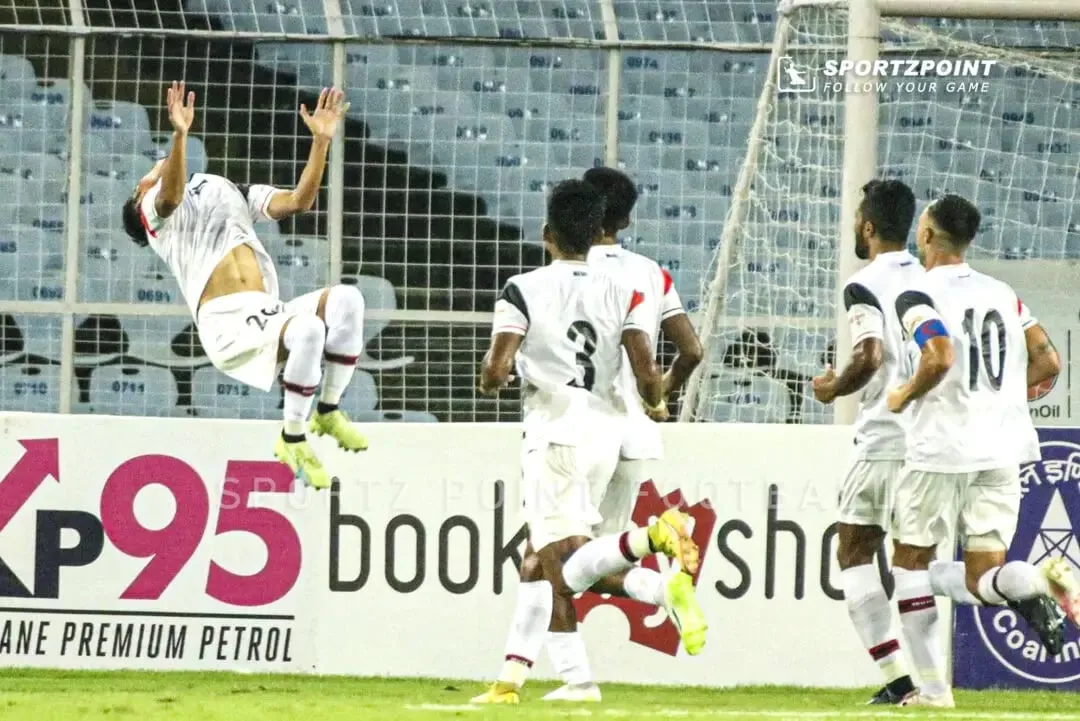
(1049, 518)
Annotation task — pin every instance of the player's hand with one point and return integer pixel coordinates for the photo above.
(181, 107)
(660, 413)
(824, 385)
(329, 111)
(897, 400)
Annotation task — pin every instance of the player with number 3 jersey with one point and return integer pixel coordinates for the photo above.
(980, 351)
(203, 228)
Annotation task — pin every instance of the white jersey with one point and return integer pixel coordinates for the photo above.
(870, 298)
(661, 302)
(214, 218)
(572, 317)
(976, 419)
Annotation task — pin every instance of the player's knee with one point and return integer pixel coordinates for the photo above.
(531, 568)
(306, 331)
(345, 304)
(857, 547)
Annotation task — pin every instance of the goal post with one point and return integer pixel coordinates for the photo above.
(991, 111)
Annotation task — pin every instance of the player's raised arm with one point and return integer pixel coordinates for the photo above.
(181, 106)
(507, 333)
(867, 354)
(323, 124)
(923, 324)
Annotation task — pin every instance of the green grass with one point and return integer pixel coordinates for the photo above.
(89, 696)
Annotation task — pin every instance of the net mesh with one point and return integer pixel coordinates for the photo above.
(1002, 140)
(450, 149)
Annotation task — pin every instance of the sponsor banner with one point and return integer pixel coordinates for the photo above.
(154, 544)
(993, 647)
(166, 543)
(1043, 286)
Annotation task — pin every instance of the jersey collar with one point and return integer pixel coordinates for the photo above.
(951, 269)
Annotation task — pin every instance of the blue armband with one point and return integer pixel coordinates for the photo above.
(930, 329)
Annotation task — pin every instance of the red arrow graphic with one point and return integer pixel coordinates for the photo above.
(41, 460)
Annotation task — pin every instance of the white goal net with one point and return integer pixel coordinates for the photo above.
(986, 109)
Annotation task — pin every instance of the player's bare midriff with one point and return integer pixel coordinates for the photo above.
(238, 272)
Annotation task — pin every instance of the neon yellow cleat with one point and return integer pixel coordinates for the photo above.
(302, 461)
(337, 425)
(670, 535)
(680, 601)
(499, 693)
(1064, 587)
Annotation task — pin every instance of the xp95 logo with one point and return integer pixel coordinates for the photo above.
(168, 549)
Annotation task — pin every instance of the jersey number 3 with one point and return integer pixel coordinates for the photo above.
(582, 334)
(980, 342)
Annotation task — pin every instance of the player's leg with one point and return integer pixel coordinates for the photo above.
(565, 644)
(1042, 596)
(341, 308)
(925, 511)
(301, 342)
(865, 509)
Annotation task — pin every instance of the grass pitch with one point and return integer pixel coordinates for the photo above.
(86, 696)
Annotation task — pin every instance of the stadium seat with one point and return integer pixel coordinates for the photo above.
(131, 390)
(361, 396)
(196, 152)
(30, 388)
(307, 62)
(107, 268)
(746, 397)
(40, 336)
(302, 262)
(394, 417)
(30, 260)
(216, 395)
(165, 340)
(121, 125)
(378, 296)
(153, 282)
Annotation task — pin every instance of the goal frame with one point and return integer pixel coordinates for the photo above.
(860, 148)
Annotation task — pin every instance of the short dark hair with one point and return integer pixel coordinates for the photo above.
(890, 206)
(133, 224)
(620, 195)
(575, 216)
(956, 217)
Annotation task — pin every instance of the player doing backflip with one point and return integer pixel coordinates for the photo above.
(203, 228)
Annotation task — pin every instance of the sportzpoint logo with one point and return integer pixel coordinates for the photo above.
(907, 75)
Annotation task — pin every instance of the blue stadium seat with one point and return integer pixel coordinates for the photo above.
(30, 388)
(107, 268)
(302, 264)
(131, 390)
(307, 62)
(196, 152)
(153, 281)
(746, 397)
(122, 126)
(34, 260)
(216, 395)
(41, 335)
(394, 417)
(154, 339)
(361, 396)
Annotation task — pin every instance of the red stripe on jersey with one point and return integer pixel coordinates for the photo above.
(145, 222)
(635, 300)
(668, 282)
(1019, 306)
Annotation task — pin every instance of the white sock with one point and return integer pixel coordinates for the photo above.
(871, 614)
(922, 628)
(304, 339)
(569, 658)
(645, 585)
(528, 630)
(1015, 581)
(948, 578)
(605, 556)
(344, 312)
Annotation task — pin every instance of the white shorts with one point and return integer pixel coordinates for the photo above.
(982, 506)
(866, 495)
(241, 332)
(563, 486)
(621, 494)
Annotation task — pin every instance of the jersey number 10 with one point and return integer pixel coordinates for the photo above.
(980, 346)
